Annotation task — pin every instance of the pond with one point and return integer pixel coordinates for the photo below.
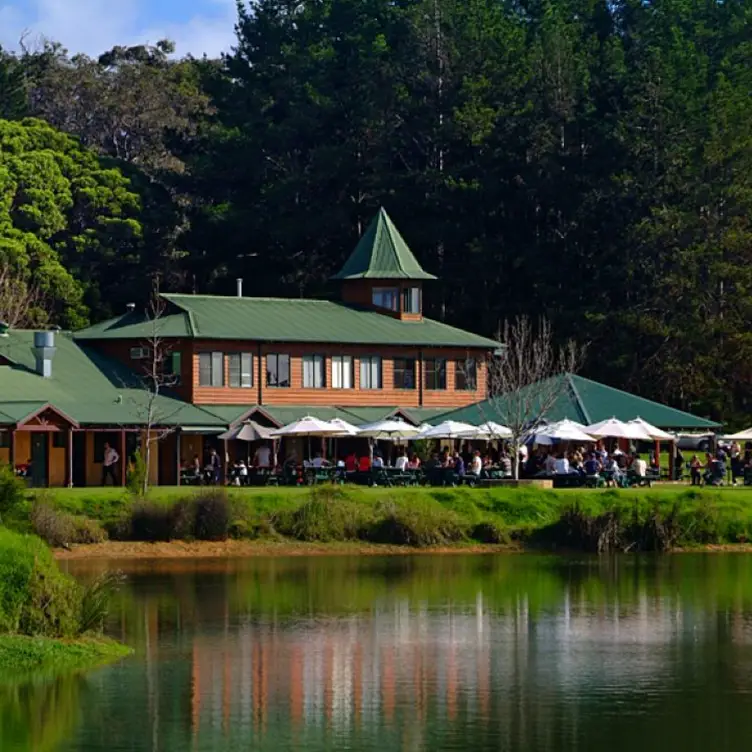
(476, 652)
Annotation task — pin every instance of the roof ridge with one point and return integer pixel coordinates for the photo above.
(580, 403)
(247, 299)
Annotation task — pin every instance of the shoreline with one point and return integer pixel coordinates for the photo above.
(240, 549)
(244, 549)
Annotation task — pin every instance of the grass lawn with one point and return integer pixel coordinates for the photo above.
(24, 655)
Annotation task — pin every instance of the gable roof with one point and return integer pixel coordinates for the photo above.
(588, 402)
(283, 320)
(382, 253)
(85, 386)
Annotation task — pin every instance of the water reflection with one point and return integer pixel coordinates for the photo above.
(424, 653)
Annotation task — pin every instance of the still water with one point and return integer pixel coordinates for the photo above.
(509, 652)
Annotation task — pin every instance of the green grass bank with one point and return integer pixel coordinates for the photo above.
(48, 621)
(657, 519)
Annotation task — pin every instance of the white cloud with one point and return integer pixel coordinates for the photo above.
(93, 26)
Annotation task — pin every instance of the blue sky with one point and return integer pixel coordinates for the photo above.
(93, 26)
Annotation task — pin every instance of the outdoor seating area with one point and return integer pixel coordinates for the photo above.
(393, 452)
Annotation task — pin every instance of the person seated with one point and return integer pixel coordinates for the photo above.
(459, 465)
(401, 462)
(611, 467)
(319, 461)
(592, 465)
(195, 467)
(550, 464)
(414, 463)
(639, 466)
(364, 464)
(505, 463)
(561, 465)
(351, 462)
(378, 462)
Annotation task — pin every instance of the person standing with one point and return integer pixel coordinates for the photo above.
(109, 463)
(215, 465)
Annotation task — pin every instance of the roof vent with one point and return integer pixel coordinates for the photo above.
(130, 307)
(44, 352)
(239, 283)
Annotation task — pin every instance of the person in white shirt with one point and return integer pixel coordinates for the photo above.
(262, 457)
(319, 461)
(476, 466)
(378, 462)
(401, 462)
(639, 466)
(561, 465)
(111, 458)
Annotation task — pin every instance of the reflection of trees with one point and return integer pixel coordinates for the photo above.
(40, 713)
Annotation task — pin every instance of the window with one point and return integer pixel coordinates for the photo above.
(411, 300)
(4, 439)
(386, 297)
(342, 372)
(278, 370)
(436, 373)
(59, 440)
(370, 372)
(466, 375)
(241, 370)
(404, 373)
(314, 372)
(172, 366)
(211, 369)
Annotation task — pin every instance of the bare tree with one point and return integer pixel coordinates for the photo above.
(157, 377)
(525, 378)
(21, 304)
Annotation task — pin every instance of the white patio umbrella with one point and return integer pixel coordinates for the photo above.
(449, 429)
(618, 429)
(657, 434)
(387, 430)
(308, 426)
(745, 435)
(345, 429)
(562, 430)
(248, 431)
(488, 431)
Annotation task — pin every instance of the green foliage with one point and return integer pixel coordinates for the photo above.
(211, 515)
(137, 473)
(36, 598)
(12, 492)
(60, 529)
(95, 601)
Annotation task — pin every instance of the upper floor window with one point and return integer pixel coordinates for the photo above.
(404, 373)
(278, 370)
(314, 372)
(370, 372)
(241, 370)
(386, 297)
(171, 368)
(466, 375)
(342, 372)
(411, 300)
(435, 373)
(211, 369)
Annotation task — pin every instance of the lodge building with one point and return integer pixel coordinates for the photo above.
(366, 356)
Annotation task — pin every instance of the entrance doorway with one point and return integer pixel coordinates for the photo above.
(79, 459)
(39, 458)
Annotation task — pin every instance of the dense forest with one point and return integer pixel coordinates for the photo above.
(582, 159)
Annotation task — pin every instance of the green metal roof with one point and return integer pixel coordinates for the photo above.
(85, 385)
(284, 320)
(589, 402)
(382, 254)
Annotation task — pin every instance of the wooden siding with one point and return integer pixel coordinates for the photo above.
(360, 292)
(296, 394)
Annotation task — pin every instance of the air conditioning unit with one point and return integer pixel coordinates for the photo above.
(139, 353)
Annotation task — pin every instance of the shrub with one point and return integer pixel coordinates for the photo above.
(36, 598)
(212, 515)
(150, 522)
(416, 524)
(489, 532)
(59, 529)
(12, 491)
(95, 601)
(327, 515)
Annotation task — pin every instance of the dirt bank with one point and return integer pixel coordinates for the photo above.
(237, 548)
